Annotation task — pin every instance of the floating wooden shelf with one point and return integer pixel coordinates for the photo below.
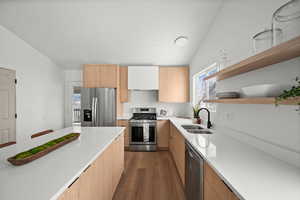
(264, 100)
(277, 54)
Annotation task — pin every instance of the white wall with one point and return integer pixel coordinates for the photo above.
(72, 79)
(139, 98)
(275, 130)
(39, 89)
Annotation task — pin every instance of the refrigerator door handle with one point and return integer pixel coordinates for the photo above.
(95, 111)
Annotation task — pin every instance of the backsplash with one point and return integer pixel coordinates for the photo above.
(149, 98)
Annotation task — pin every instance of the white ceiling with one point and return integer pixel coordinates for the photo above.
(136, 32)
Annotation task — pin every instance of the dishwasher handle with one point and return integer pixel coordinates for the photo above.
(192, 152)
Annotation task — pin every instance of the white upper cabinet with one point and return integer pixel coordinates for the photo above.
(143, 77)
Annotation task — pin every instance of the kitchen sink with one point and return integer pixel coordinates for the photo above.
(186, 127)
(194, 129)
(197, 131)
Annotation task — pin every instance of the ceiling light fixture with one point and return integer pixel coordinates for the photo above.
(181, 41)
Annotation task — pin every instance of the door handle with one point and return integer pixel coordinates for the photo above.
(190, 154)
(86, 168)
(93, 110)
(95, 104)
(73, 182)
(227, 186)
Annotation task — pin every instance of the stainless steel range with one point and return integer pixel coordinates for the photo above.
(142, 133)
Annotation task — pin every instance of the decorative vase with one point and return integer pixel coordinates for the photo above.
(196, 120)
(199, 120)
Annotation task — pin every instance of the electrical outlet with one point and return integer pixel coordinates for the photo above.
(229, 116)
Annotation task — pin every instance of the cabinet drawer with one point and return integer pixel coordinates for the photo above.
(122, 123)
(163, 132)
(125, 124)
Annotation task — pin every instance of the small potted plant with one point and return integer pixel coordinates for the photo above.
(196, 110)
(292, 93)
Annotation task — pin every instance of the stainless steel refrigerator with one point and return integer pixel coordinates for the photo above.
(98, 107)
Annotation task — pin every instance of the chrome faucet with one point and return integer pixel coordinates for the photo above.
(209, 125)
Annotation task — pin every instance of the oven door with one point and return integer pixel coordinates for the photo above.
(142, 133)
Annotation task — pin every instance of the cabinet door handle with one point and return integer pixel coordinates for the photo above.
(73, 182)
(227, 186)
(117, 138)
(86, 168)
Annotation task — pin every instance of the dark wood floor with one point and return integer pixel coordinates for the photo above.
(149, 176)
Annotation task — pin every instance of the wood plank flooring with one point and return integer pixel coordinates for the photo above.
(149, 176)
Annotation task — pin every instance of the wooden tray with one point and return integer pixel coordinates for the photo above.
(23, 161)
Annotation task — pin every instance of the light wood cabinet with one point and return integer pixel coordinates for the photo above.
(173, 84)
(163, 134)
(180, 155)
(124, 92)
(232, 196)
(209, 193)
(87, 184)
(108, 157)
(109, 76)
(214, 187)
(99, 174)
(121, 159)
(100, 179)
(117, 162)
(124, 123)
(100, 75)
(171, 140)
(177, 148)
(91, 76)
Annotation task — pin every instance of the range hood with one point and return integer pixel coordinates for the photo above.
(143, 77)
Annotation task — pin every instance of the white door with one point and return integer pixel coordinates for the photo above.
(7, 106)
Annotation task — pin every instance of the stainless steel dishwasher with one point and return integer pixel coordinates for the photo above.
(194, 174)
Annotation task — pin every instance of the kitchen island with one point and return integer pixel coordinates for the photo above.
(51, 176)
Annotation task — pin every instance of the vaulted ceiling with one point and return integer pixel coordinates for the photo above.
(136, 32)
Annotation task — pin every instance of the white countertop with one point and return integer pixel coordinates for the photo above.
(124, 117)
(47, 177)
(251, 173)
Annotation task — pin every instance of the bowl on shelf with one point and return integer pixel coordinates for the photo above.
(264, 90)
(227, 95)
